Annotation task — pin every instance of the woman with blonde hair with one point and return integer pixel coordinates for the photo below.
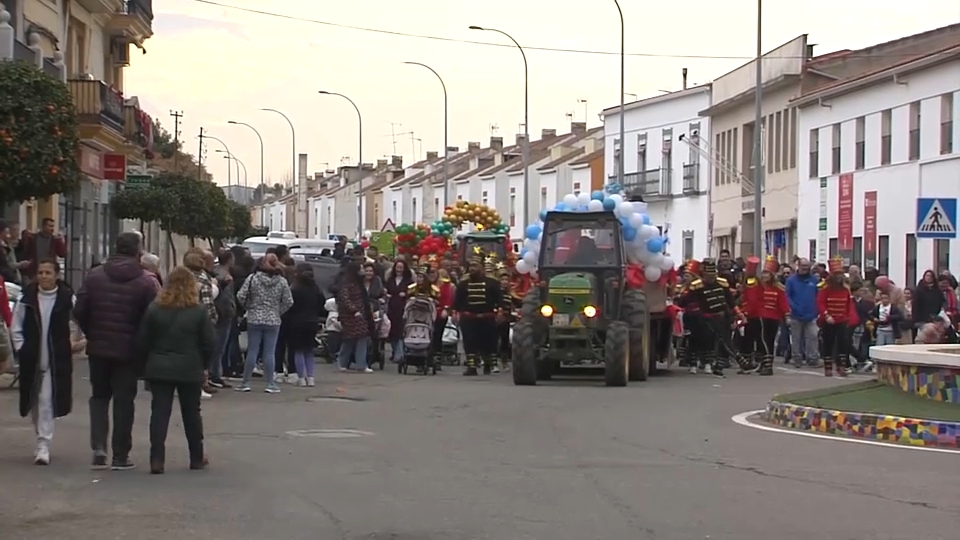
(177, 339)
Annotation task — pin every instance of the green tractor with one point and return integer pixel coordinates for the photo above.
(582, 313)
(491, 244)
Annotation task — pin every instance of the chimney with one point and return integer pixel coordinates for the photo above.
(473, 147)
(366, 167)
(396, 161)
(684, 72)
(520, 138)
(810, 51)
(496, 143)
(381, 164)
(431, 156)
(548, 133)
(453, 149)
(578, 128)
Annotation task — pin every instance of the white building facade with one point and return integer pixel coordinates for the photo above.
(869, 148)
(672, 176)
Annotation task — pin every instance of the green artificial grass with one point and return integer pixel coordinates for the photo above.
(876, 398)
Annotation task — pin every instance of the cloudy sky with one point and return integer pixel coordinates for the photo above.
(216, 63)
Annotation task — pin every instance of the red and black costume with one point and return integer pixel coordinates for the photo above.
(695, 341)
(836, 311)
(478, 301)
(765, 305)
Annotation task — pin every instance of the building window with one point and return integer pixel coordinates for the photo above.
(946, 124)
(785, 154)
(641, 152)
(724, 156)
(859, 160)
(857, 256)
(941, 255)
(616, 157)
(513, 209)
(778, 142)
(576, 188)
(812, 250)
(687, 245)
(733, 155)
(393, 212)
(769, 128)
(330, 218)
(883, 254)
(483, 198)
(911, 262)
(793, 137)
(814, 153)
(834, 248)
(436, 207)
(914, 146)
(459, 198)
(694, 134)
(717, 171)
(666, 163)
(316, 221)
(886, 137)
(835, 150)
(543, 197)
(413, 207)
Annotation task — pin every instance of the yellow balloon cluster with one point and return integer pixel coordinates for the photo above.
(484, 217)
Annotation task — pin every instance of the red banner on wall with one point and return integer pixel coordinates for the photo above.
(114, 167)
(870, 229)
(845, 216)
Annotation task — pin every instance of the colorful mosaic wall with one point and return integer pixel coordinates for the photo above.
(936, 383)
(865, 426)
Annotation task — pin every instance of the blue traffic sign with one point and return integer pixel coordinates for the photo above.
(936, 218)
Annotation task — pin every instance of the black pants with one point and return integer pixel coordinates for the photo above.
(116, 380)
(284, 353)
(836, 344)
(479, 336)
(503, 338)
(721, 341)
(160, 409)
(436, 342)
(759, 337)
(661, 332)
(697, 338)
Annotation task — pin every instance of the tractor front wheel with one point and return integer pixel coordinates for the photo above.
(633, 309)
(617, 354)
(524, 354)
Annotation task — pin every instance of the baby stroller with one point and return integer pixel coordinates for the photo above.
(418, 317)
(381, 329)
(330, 337)
(449, 353)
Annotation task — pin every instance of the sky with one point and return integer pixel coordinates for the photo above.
(216, 63)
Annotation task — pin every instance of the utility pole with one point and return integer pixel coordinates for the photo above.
(177, 115)
(200, 157)
(758, 161)
(393, 135)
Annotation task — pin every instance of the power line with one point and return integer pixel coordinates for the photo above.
(510, 46)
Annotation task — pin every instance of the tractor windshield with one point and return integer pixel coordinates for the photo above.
(489, 243)
(579, 243)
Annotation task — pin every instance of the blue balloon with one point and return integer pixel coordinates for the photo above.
(655, 245)
(596, 195)
(560, 207)
(624, 222)
(523, 252)
(629, 234)
(645, 218)
(543, 215)
(533, 231)
(609, 204)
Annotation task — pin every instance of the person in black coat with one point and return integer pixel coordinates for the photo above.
(46, 374)
(928, 300)
(303, 322)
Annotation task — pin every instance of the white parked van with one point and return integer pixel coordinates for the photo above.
(258, 245)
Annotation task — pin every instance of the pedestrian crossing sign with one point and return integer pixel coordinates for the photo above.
(936, 218)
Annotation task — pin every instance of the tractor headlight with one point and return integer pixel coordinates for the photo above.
(546, 310)
(590, 311)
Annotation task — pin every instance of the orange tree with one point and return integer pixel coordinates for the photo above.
(39, 138)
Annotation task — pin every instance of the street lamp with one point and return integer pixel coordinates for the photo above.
(261, 145)
(293, 138)
(359, 160)
(758, 172)
(446, 185)
(228, 155)
(239, 166)
(623, 70)
(225, 147)
(525, 147)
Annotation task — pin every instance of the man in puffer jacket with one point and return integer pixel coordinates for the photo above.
(266, 297)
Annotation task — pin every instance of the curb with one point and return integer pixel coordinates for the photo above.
(877, 427)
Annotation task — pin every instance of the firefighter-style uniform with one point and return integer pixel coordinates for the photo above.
(835, 307)
(696, 337)
(717, 307)
(764, 303)
(422, 286)
(478, 302)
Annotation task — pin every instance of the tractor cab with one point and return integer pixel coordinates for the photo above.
(491, 243)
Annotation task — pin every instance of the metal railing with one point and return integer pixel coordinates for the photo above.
(691, 177)
(646, 183)
(138, 7)
(97, 104)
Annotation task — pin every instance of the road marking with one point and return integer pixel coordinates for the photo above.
(329, 433)
(742, 419)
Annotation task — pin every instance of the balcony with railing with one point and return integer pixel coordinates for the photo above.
(98, 105)
(138, 126)
(691, 179)
(134, 18)
(100, 6)
(651, 184)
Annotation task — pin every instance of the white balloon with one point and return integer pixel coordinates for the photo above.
(522, 267)
(666, 264)
(656, 259)
(530, 244)
(530, 258)
(645, 232)
(583, 198)
(625, 208)
(652, 273)
(617, 198)
(595, 206)
(540, 237)
(636, 220)
(570, 200)
(640, 207)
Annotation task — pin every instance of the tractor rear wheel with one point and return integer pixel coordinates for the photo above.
(524, 354)
(617, 354)
(633, 310)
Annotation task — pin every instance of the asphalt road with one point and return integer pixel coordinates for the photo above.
(449, 458)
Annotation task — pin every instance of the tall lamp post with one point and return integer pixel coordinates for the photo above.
(227, 148)
(293, 139)
(261, 144)
(239, 166)
(359, 160)
(758, 172)
(623, 56)
(525, 148)
(228, 155)
(446, 158)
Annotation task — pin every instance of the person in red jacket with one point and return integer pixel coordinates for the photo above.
(765, 303)
(5, 304)
(441, 280)
(696, 337)
(835, 307)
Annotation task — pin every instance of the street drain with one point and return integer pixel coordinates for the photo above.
(316, 399)
(329, 433)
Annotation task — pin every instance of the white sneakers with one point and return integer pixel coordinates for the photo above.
(292, 379)
(42, 457)
(205, 395)
(311, 382)
(368, 370)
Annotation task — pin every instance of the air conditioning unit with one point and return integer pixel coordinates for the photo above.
(120, 51)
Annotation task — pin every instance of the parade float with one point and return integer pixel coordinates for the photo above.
(597, 260)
